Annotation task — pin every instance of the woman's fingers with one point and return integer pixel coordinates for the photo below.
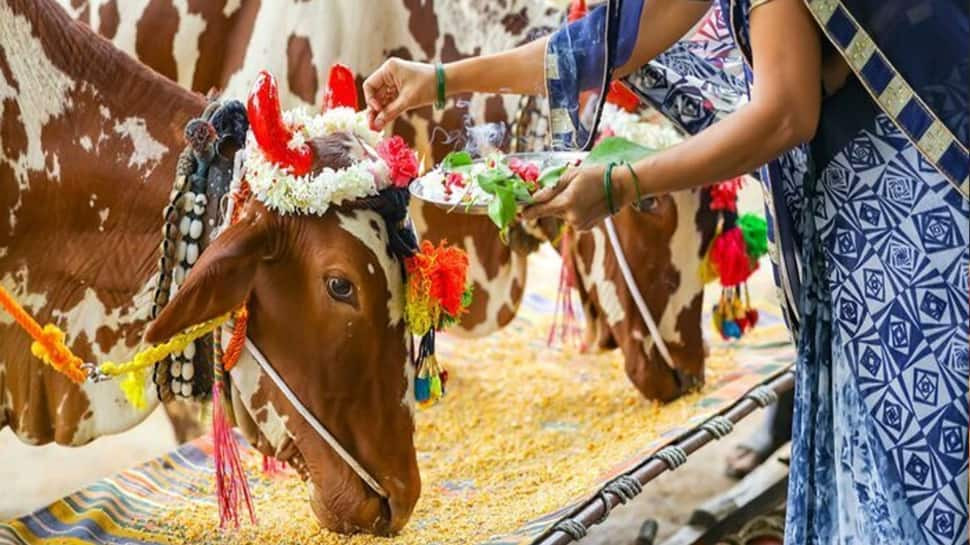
(545, 194)
(553, 206)
(390, 112)
(378, 85)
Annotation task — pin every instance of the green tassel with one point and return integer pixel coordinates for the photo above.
(755, 232)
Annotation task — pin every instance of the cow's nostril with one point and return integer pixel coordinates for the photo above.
(383, 526)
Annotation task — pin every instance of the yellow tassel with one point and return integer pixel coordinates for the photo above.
(707, 270)
(136, 369)
(418, 316)
(133, 386)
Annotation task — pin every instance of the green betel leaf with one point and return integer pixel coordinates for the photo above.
(550, 176)
(614, 149)
(491, 181)
(502, 208)
(521, 190)
(456, 159)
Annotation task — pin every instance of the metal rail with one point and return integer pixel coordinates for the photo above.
(596, 509)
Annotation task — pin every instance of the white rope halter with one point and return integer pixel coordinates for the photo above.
(322, 431)
(631, 286)
(267, 368)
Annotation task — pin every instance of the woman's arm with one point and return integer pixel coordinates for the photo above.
(783, 112)
(398, 86)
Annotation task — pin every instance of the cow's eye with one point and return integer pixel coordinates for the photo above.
(340, 289)
(647, 204)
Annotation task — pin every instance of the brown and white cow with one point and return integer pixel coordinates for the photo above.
(224, 43)
(89, 140)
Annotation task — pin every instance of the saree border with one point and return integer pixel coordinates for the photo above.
(893, 94)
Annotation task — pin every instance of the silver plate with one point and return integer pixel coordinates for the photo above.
(544, 159)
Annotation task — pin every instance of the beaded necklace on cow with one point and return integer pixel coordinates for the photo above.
(202, 176)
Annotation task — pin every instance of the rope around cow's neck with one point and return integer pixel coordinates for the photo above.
(631, 285)
(50, 347)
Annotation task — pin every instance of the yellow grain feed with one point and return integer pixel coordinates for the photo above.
(523, 430)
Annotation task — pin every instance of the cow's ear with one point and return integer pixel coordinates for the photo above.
(221, 280)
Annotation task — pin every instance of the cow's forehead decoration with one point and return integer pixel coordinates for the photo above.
(280, 156)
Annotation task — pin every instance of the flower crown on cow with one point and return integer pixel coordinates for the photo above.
(279, 164)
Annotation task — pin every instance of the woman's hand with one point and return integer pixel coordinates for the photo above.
(580, 197)
(398, 86)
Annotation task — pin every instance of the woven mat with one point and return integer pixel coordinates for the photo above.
(525, 433)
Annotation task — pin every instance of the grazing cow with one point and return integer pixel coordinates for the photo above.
(223, 44)
(89, 142)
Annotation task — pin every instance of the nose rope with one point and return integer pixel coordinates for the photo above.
(322, 431)
(631, 285)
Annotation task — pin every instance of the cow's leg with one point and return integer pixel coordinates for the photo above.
(185, 419)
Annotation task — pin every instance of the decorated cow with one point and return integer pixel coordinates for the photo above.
(307, 255)
(223, 45)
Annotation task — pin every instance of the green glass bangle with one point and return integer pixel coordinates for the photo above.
(439, 101)
(608, 188)
(636, 186)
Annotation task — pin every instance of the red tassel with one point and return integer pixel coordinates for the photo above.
(232, 488)
(272, 467)
(565, 314)
(341, 88)
(724, 195)
(729, 255)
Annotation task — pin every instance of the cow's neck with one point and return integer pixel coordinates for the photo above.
(90, 142)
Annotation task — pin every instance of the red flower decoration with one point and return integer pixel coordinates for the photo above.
(441, 272)
(400, 159)
(454, 180)
(724, 195)
(529, 172)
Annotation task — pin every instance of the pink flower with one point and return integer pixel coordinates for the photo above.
(529, 172)
(402, 162)
(452, 181)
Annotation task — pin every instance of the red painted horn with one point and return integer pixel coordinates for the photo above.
(272, 134)
(341, 88)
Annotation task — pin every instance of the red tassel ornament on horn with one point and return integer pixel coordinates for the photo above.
(272, 134)
(341, 89)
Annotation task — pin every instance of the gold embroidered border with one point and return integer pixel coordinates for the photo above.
(896, 95)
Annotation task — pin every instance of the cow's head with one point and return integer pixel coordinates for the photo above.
(326, 294)
(664, 244)
(664, 240)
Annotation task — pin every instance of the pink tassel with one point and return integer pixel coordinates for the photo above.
(231, 484)
(565, 312)
(272, 467)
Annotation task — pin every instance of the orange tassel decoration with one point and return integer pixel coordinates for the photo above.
(48, 342)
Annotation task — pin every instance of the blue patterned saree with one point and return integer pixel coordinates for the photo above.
(870, 226)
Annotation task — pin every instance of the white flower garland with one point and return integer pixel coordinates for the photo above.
(632, 127)
(285, 193)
